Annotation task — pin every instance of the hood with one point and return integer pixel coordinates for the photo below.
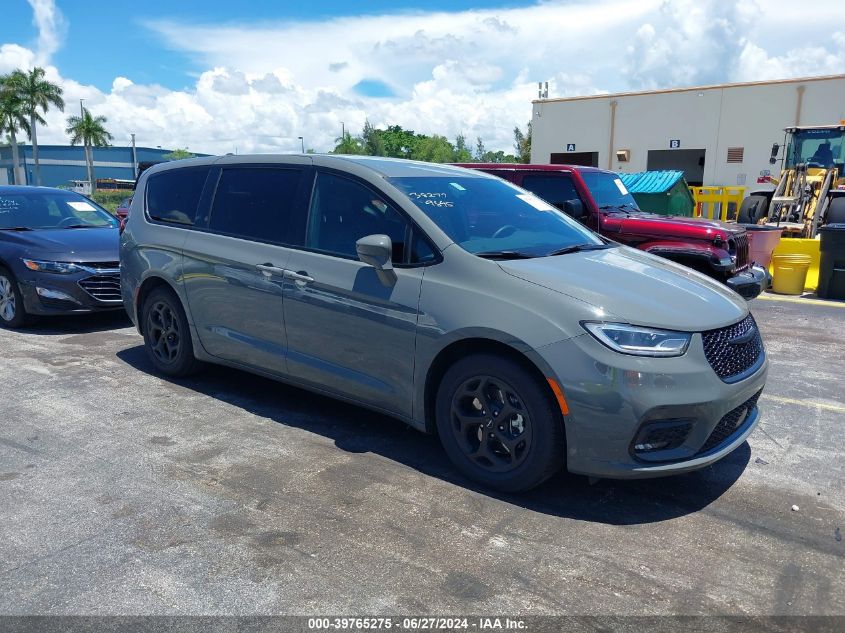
(635, 287)
(70, 245)
(669, 225)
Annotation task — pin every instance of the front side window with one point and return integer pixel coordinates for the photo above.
(555, 189)
(255, 203)
(608, 191)
(51, 210)
(489, 215)
(174, 195)
(343, 211)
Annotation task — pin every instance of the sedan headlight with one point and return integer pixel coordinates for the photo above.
(59, 268)
(639, 341)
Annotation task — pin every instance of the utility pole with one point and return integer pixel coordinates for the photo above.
(342, 130)
(302, 142)
(81, 109)
(134, 159)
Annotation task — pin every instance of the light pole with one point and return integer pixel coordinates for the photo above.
(81, 109)
(134, 159)
(302, 143)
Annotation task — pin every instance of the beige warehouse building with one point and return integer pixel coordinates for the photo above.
(718, 135)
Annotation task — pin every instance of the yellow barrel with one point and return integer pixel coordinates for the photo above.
(790, 273)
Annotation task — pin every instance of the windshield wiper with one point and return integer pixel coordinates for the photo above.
(15, 228)
(575, 248)
(504, 255)
(83, 226)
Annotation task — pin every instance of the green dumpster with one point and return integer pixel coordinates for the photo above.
(664, 192)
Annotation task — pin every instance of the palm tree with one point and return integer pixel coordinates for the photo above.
(12, 119)
(37, 94)
(91, 132)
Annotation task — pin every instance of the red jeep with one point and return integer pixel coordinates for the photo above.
(598, 199)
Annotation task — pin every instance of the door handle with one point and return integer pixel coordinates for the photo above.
(301, 278)
(269, 270)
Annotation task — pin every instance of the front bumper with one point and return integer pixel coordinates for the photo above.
(612, 398)
(750, 283)
(87, 291)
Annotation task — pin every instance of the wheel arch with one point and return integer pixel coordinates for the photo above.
(144, 289)
(461, 348)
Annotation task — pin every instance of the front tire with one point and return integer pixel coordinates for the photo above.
(167, 336)
(12, 312)
(499, 424)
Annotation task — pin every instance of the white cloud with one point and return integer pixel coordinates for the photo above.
(51, 27)
(473, 71)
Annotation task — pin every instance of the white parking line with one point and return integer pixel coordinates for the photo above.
(805, 403)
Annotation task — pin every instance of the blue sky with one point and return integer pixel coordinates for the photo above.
(114, 33)
(257, 74)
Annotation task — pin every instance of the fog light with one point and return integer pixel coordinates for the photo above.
(662, 435)
(47, 293)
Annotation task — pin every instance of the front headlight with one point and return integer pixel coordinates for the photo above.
(639, 341)
(59, 268)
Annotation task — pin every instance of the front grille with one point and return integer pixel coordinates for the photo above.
(733, 350)
(729, 424)
(103, 287)
(741, 251)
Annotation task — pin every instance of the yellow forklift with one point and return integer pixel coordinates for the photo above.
(811, 189)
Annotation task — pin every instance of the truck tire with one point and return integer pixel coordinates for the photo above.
(753, 208)
(836, 211)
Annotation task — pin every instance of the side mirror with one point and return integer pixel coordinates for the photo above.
(774, 157)
(376, 251)
(574, 209)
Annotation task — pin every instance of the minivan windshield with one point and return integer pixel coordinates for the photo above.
(34, 210)
(608, 191)
(489, 217)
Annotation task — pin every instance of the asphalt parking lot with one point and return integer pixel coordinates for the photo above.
(125, 493)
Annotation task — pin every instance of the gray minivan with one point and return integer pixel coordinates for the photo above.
(450, 299)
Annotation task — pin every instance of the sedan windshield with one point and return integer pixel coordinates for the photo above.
(51, 210)
(491, 217)
(608, 191)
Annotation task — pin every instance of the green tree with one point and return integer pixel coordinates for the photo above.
(372, 141)
(347, 144)
(522, 144)
(91, 132)
(462, 152)
(434, 149)
(399, 143)
(12, 120)
(178, 154)
(497, 157)
(479, 150)
(37, 95)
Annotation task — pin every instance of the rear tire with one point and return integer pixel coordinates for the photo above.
(753, 209)
(499, 424)
(167, 336)
(12, 312)
(836, 211)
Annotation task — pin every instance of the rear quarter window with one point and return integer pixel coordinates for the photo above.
(174, 195)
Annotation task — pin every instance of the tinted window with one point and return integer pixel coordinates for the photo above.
(556, 189)
(607, 190)
(343, 211)
(488, 214)
(255, 203)
(46, 209)
(173, 196)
